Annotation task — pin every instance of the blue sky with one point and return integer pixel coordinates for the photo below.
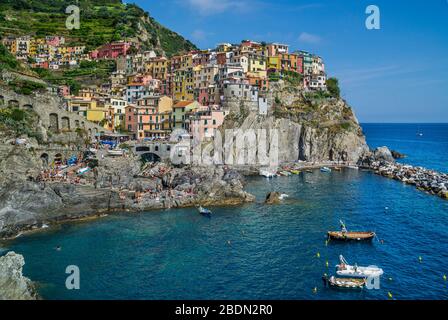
(395, 74)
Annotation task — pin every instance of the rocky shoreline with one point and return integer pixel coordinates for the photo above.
(423, 179)
(29, 206)
(382, 162)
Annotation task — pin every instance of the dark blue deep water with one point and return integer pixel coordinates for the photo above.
(263, 252)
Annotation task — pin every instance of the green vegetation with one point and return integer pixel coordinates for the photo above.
(100, 69)
(17, 122)
(293, 78)
(317, 95)
(102, 21)
(26, 87)
(7, 60)
(333, 87)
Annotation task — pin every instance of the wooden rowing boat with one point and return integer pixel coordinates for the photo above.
(351, 236)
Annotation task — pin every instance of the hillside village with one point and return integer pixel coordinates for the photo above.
(147, 96)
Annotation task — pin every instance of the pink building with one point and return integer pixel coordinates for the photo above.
(131, 120)
(204, 122)
(54, 41)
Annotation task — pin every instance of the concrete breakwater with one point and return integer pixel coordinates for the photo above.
(431, 181)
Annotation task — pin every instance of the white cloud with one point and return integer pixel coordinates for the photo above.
(210, 7)
(309, 38)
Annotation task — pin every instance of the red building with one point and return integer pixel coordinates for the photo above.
(111, 50)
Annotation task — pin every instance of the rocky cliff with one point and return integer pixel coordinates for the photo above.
(13, 285)
(311, 126)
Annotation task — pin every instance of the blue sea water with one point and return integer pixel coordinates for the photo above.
(257, 251)
(429, 150)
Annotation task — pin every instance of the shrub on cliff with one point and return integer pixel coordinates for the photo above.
(7, 61)
(333, 87)
(17, 122)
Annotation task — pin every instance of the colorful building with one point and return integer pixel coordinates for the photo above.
(180, 110)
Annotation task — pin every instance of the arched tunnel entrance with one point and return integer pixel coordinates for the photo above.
(150, 157)
(44, 158)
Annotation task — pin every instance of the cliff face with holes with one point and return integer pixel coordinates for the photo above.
(310, 126)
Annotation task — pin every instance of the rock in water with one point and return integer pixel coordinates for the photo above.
(397, 155)
(383, 154)
(273, 198)
(13, 285)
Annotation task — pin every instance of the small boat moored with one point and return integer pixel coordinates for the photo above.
(347, 283)
(325, 169)
(345, 270)
(351, 236)
(204, 211)
(267, 174)
(345, 235)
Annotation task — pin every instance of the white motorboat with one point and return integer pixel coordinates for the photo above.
(267, 174)
(325, 169)
(345, 270)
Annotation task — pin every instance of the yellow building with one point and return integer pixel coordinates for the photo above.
(157, 68)
(274, 63)
(80, 105)
(98, 114)
(257, 66)
(165, 104)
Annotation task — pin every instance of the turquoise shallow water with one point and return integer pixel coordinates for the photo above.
(254, 251)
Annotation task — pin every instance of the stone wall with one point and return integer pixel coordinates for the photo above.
(50, 110)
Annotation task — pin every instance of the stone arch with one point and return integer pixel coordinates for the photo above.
(83, 125)
(90, 132)
(156, 148)
(44, 158)
(28, 106)
(65, 123)
(150, 157)
(77, 123)
(13, 103)
(54, 122)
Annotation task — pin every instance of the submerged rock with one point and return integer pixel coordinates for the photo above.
(13, 285)
(397, 155)
(272, 198)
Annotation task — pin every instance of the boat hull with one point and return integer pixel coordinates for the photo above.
(345, 283)
(351, 236)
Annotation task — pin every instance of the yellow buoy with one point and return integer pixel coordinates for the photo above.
(318, 255)
(315, 290)
(420, 259)
(326, 264)
(390, 295)
(444, 277)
